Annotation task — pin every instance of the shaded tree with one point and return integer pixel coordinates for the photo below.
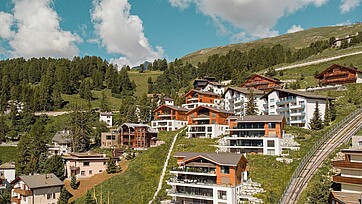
(251, 108)
(316, 122)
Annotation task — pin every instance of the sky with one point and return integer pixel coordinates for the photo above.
(134, 31)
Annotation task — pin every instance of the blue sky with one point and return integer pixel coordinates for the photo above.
(130, 32)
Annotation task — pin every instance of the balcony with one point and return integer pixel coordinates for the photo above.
(281, 109)
(202, 171)
(15, 200)
(297, 113)
(349, 180)
(297, 121)
(199, 181)
(286, 100)
(23, 192)
(345, 164)
(300, 106)
(74, 168)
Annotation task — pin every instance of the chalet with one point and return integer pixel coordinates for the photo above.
(137, 136)
(215, 87)
(61, 143)
(262, 83)
(236, 99)
(165, 101)
(110, 139)
(207, 177)
(106, 117)
(207, 122)
(338, 74)
(349, 177)
(297, 106)
(195, 98)
(260, 134)
(7, 175)
(201, 83)
(39, 189)
(84, 165)
(169, 118)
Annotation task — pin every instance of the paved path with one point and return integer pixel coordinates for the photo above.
(318, 61)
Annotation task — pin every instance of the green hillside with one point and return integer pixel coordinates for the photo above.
(293, 40)
(141, 80)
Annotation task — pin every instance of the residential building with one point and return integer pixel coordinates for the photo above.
(215, 87)
(338, 74)
(297, 106)
(169, 118)
(165, 101)
(61, 143)
(201, 83)
(262, 83)
(7, 175)
(168, 101)
(110, 139)
(207, 177)
(236, 98)
(106, 117)
(260, 134)
(84, 165)
(350, 176)
(137, 136)
(39, 189)
(195, 98)
(207, 122)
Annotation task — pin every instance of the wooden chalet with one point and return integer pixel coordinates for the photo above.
(167, 112)
(338, 74)
(137, 136)
(208, 115)
(201, 83)
(262, 83)
(196, 96)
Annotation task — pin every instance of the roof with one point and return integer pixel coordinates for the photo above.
(244, 90)
(106, 113)
(40, 181)
(202, 92)
(62, 137)
(211, 108)
(349, 151)
(216, 83)
(300, 93)
(261, 118)
(258, 75)
(168, 99)
(7, 166)
(134, 125)
(87, 155)
(340, 66)
(178, 108)
(346, 197)
(226, 159)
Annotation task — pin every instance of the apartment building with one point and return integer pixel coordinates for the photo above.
(207, 122)
(110, 139)
(350, 176)
(259, 134)
(61, 143)
(207, 177)
(169, 118)
(338, 74)
(296, 106)
(106, 117)
(236, 98)
(39, 189)
(7, 175)
(215, 87)
(201, 83)
(137, 136)
(262, 83)
(84, 165)
(195, 98)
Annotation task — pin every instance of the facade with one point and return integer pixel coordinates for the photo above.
(195, 98)
(297, 106)
(169, 118)
(338, 74)
(207, 122)
(207, 177)
(262, 83)
(106, 117)
(169, 101)
(84, 165)
(110, 139)
(214, 87)
(260, 134)
(39, 189)
(201, 83)
(61, 143)
(350, 177)
(137, 136)
(236, 99)
(7, 175)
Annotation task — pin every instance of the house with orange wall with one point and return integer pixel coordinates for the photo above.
(263, 83)
(137, 136)
(207, 177)
(207, 122)
(195, 98)
(338, 74)
(169, 118)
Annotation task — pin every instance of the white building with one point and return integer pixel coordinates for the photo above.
(7, 175)
(214, 87)
(297, 106)
(169, 118)
(61, 143)
(169, 101)
(84, 165)
(236, 99)
(106, 117)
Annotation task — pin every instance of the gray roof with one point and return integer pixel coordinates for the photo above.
(219, 110)
(226, 159)
(300, 93)
(179, 108)
(41, 181)
(133, 125)
(245, 90)
(7, 166)
(62, 137)
(106, 113)
(261, 118)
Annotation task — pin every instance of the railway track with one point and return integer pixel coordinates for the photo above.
(306, 171)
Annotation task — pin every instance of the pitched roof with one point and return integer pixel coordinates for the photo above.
(178, 108)
(62, 137)
(134, 125)
(346, 197)
(300, 93)
(106, 113)
(215, 83)
(258, 75)
(244, 90)
(86, 155)
(261, 118)
(226, 159)
(211, 108)
(201, 92)
(337, 65)
(7, 166)
(41, 181)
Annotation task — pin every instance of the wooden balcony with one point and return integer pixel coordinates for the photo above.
(15, 200)
(345, 164)
(350, 180)
(23, 192)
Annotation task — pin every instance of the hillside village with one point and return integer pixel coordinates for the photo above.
(205, 139)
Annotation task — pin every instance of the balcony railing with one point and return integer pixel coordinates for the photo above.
(346, 164)
(202, 170)
(350, 180)
(193, 181)
(300, 106)
(23, 192)
(286, 100)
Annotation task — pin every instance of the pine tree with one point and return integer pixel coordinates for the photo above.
(89, 198)
(81, 129)
(251, 108)
(333, 110)
(3, 128)
(64, 196)
(24, 153)
(73, 182)
(105, 103)
(55, 165)
(327, 113)
(316, 122)
(111, 166)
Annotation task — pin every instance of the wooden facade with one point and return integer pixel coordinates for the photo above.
(338, 74)
(167, 112)
(137, 135)
(195, 96)
(208, 115)
(262, 83)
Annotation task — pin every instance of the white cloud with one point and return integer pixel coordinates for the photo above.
(256, 17)
(122, 33)
(6, 21)
(295, 28)
(39, 33)
(344, 23)
(348, 5)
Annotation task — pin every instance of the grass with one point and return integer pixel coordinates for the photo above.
(7, 154)
(141, 80)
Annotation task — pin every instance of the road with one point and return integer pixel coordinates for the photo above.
(299, 183)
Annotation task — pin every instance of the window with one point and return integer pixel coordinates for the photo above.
(49, 196)
(359, 143)
(90, 172)
(82, 173)
(225, 170)
(221, 195)
(272, 106)
(85, 163)
(209, 129)
(53, 195)
(272, 100)
(271, 143)
(104, 163)
(271, 125)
